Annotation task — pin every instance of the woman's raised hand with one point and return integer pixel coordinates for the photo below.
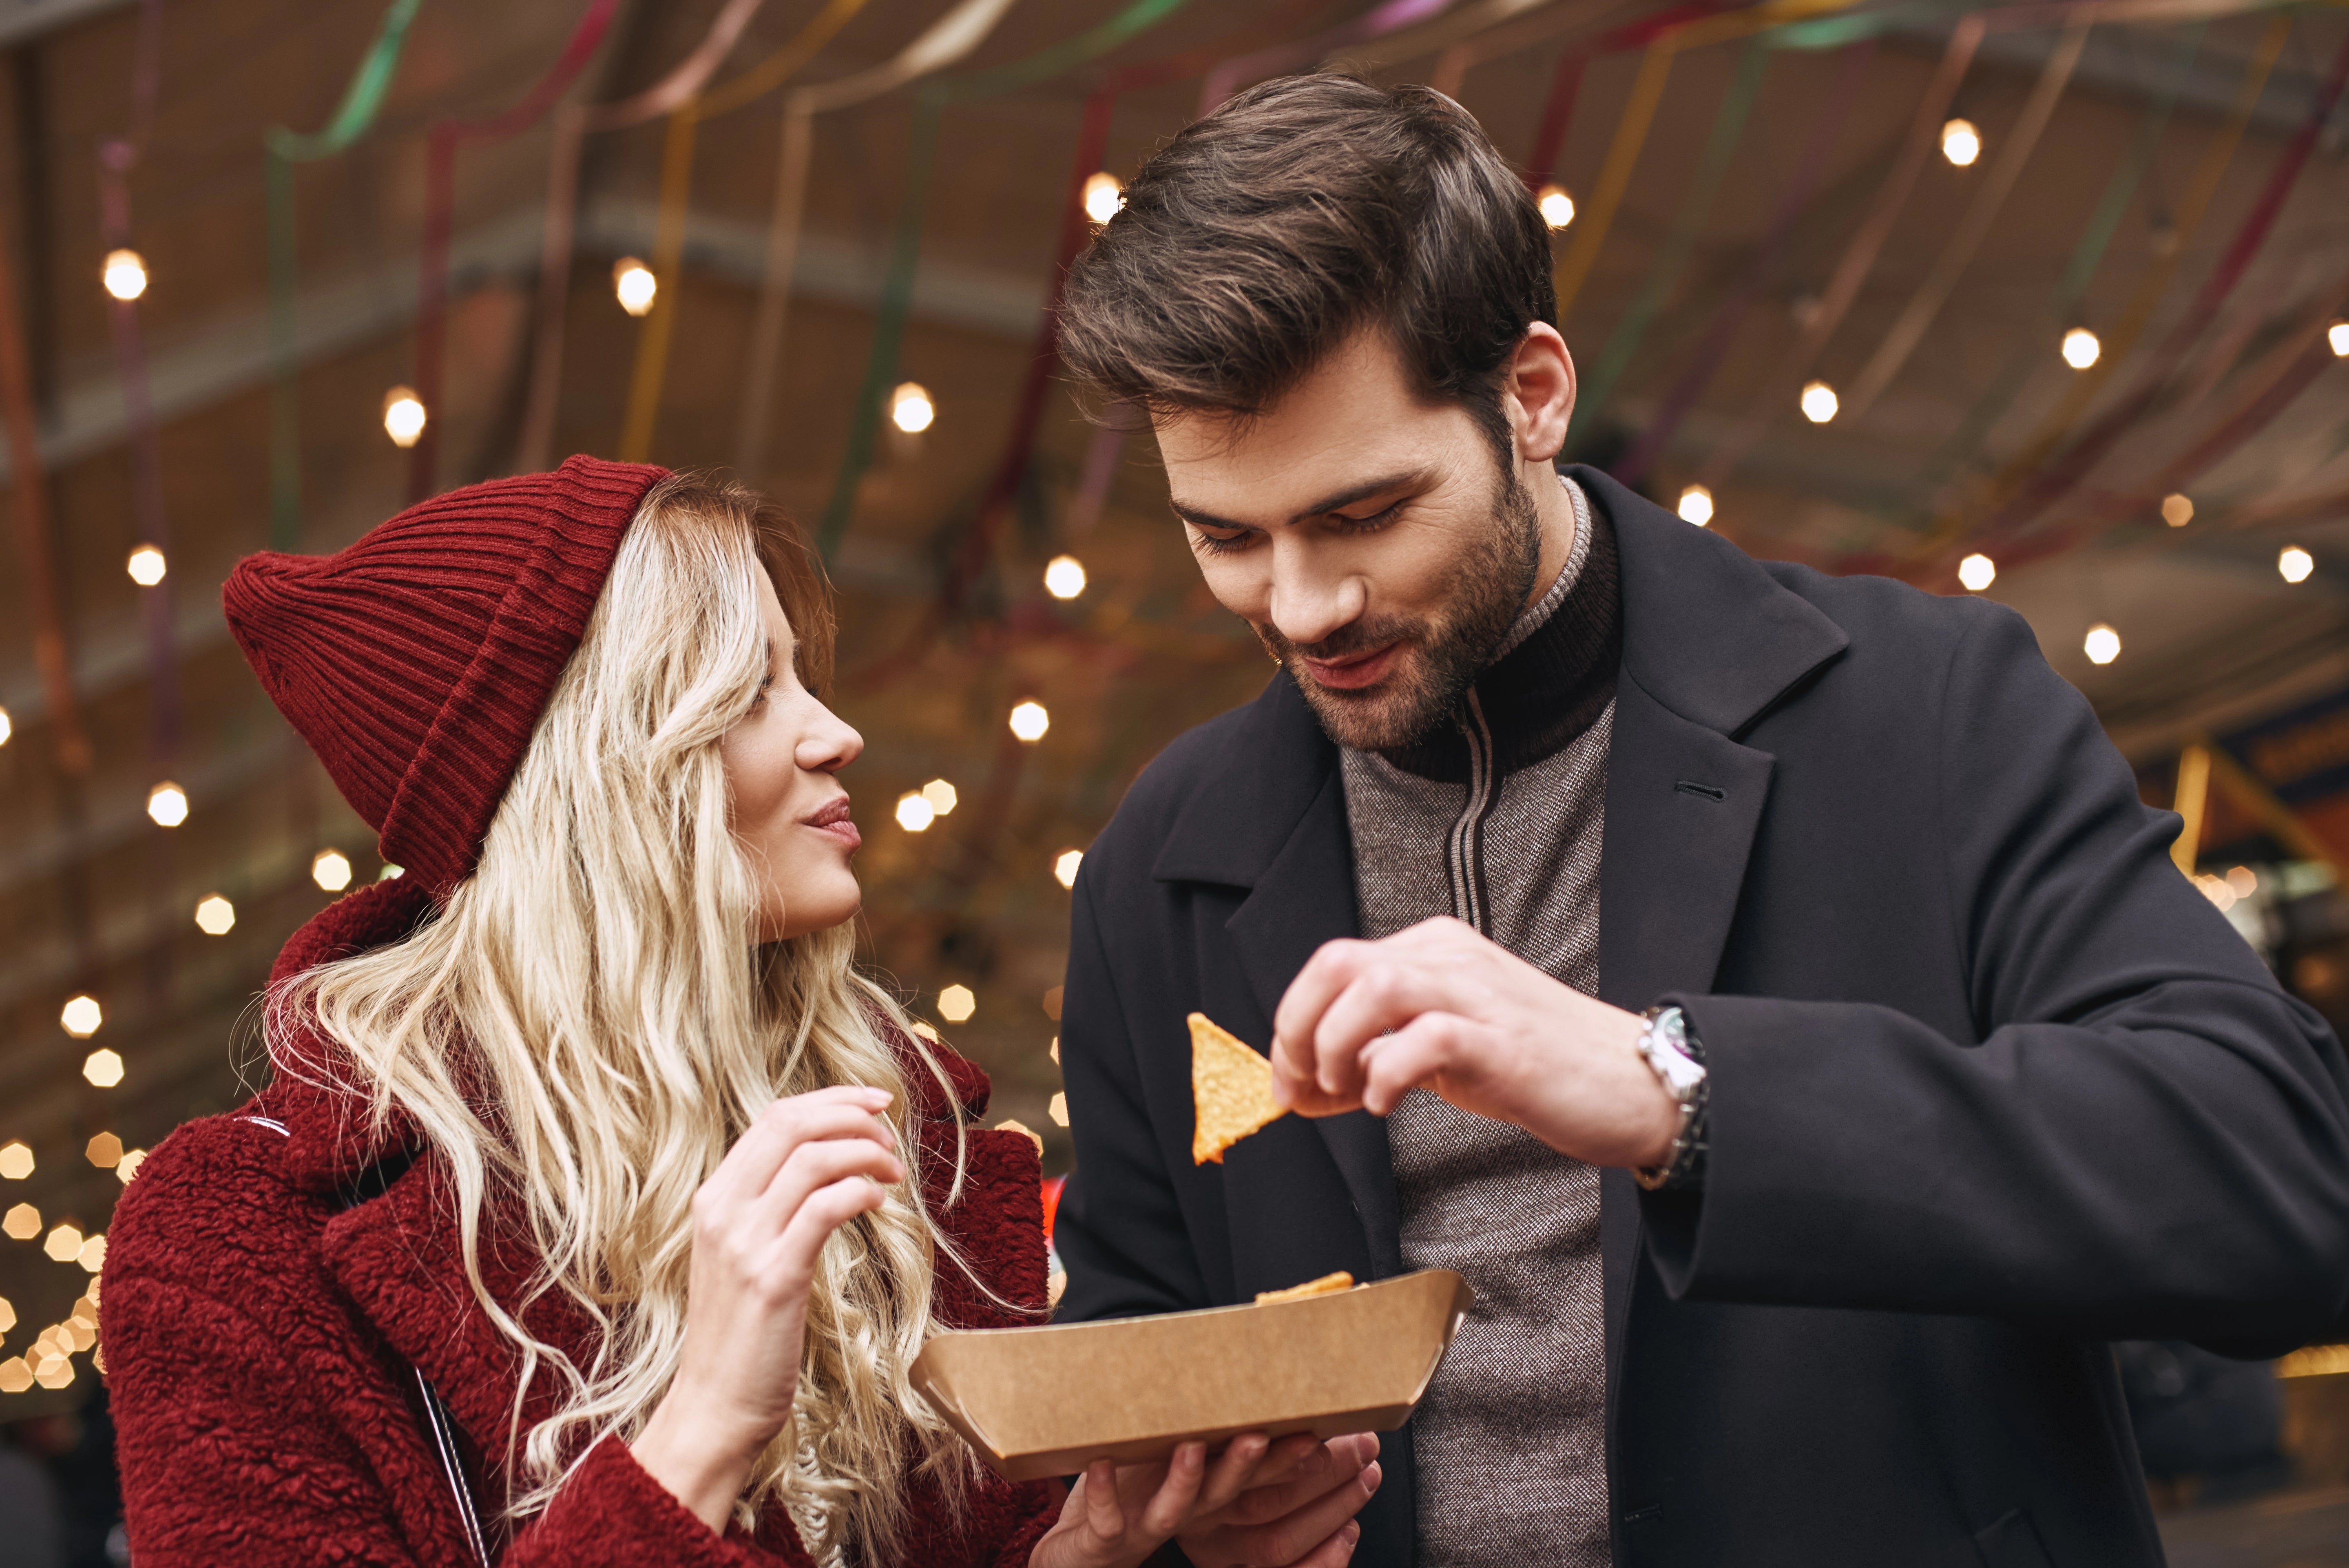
(807, 1166)
(1289, 1505)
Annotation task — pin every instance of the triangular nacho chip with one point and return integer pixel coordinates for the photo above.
(1231, 1092)
(1327, 1284)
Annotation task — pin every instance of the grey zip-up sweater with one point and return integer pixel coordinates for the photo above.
(1498, 821)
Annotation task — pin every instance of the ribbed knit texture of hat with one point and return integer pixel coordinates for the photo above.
(417, 660)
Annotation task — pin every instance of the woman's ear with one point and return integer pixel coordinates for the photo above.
(1540, 393)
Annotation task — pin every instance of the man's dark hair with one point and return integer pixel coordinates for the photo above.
(1265, 234)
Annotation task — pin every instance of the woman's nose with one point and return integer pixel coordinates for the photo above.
(830, 744)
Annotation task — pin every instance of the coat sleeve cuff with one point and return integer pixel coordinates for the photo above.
(612, 1512)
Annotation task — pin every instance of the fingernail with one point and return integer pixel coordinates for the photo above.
(1352, 1533)
(1372, 1475)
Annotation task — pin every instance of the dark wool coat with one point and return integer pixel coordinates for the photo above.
(262, 1334)
(1992, 1083)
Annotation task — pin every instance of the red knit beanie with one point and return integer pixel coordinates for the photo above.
(417, 661)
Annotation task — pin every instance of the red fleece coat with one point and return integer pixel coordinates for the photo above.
(262, 1338)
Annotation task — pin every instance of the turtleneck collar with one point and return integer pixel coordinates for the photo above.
(1552, 674)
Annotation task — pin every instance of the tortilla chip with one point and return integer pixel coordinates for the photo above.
(1327, 1284)
(1231, 1092)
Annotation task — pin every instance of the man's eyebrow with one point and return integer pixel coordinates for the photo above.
(1326, 504)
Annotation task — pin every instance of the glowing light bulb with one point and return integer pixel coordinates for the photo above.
(2103, 645)
(215, 916)
(81, 1017)
(2081, 348)
(145, 566)
(1977, 572)
(1557, 206)
(16, 1160)
(2177, 510)
(1961, 142)
(1819, 403)
(64, 1245)
(7, 726)
(913, 813)
(105, 1151)
(1064, 866)
(124, 275)
(956, 1003)
(2294, 564)
(1029, 721)
(168, 804)
(1696, 505)
(1104, 194)
(910, 408)
(1064, 577)
(331, 870)
(2337, 337)
(103, 1069)
(634, 285)
(403, 416)
(941, 796)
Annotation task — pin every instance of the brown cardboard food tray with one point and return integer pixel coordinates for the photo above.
(1047, 1401)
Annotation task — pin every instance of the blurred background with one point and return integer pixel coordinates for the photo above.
(2044, 303)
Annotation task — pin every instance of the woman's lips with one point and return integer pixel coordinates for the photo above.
(1353, 674)
(835, 820)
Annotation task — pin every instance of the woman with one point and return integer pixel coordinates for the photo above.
(599, 1207)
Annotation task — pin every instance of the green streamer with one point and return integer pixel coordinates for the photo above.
(2030, 354)
(1664, 276)
(905, 250)
(362, 101)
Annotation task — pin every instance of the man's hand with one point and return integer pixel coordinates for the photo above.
(1439, 1006)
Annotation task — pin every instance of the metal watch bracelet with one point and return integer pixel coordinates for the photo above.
(1676, 1057)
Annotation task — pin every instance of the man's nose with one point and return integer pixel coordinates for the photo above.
(1311, 602)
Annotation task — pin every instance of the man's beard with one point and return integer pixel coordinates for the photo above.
(1443, 652)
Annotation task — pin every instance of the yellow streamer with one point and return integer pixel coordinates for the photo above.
(1639, 116)
(651, 372)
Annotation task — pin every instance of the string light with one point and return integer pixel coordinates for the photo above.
(1977, 572)
(910, 408)
(168, 804)
(23, 1222)
(215, 916)
(956, 1003)
(634, 285)
(1064, 577)
(403, 416)
(913, 813)
(2294, 564)
(145, 566)
(1058, 1108)
(331, 870)
(103, 1067)
(105, 1151)
(64, 1245)
(129, 1165)
(14, 1375)
(92, 1258)
(1696, 505)
(1029, 721)
(1064, 866)
(2337, 335)
(2103, 645)
(2244, 881)
(7, 726)
(81, 1017)
(941, 796)
(124, 275)
(2177, 510)
(1961, 142)
(1557, 206)
(1819, 403)
(2081, 348)
(7, 1314)
(1104, 194)
(15, 1162)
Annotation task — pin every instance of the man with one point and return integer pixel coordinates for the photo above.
(1956, 1078)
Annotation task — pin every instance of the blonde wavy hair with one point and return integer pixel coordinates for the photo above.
(590, 1023)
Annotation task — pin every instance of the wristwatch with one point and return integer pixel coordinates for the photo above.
(1673, 1052)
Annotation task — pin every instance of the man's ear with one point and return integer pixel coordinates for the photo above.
(1538, 394)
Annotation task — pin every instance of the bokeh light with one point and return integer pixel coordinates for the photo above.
(145, 566)
(956, 1003)
(1556, 204)
(1961, 142)
(1696, 505)
(910, 408)
(1104, 194)
(168, 804)
(1064, 577)
(124, 273)
(215, 916)
(103, 1069)
(403, 416)
(331, 870)
(2102, 645)
(634, 285)
(1029, 721)
(82, 1017)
